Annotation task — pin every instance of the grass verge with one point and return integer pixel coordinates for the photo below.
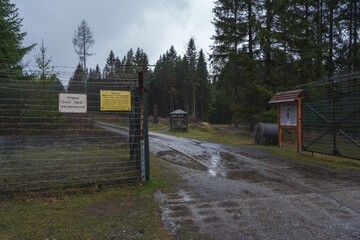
(116, 213)
(338, 163)
(225, 134)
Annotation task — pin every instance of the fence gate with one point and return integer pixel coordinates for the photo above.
(331, 118)
(86, 135)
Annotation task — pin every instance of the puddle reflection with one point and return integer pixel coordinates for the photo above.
(214, 162)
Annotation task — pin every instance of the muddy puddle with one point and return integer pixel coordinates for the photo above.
(181, 159)
(252, 176)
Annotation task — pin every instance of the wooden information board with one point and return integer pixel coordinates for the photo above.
(289, 113)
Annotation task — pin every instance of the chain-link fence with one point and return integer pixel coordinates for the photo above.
(82, 134)
(331, 117)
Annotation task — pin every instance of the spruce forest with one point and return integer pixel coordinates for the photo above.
(260, 47)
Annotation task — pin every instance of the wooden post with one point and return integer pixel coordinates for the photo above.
(279, 128)
(299, 137)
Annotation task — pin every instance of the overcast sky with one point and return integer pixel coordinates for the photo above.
(117, 25)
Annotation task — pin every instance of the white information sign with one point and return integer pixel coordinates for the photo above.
(72, 103)
(288, 114)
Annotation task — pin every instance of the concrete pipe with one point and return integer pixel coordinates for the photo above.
(266, 134)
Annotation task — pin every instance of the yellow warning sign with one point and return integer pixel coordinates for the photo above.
(115, 100)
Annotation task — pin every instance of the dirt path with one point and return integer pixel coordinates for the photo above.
(244, 193)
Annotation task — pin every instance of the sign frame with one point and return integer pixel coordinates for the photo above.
(115, 101)
(296, 126)
(72, 103)
(288, 114)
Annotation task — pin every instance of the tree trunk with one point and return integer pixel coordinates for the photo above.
(193, 98)
(331, 40)
(319, 53)
(350, 37)
(250, 35)
(164, 99)
(250, 30)
(268, 42)
(356, 61)
(171, 102)
(84, 43)
(202, 102)
(236, 40)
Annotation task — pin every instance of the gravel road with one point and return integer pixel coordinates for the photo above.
(245, 193)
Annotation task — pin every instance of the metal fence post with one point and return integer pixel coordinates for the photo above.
(144, 143)
(146, 136)
(134, 132)
(333, 127)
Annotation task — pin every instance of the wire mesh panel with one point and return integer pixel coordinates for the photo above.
(56, 137)
(331, 117)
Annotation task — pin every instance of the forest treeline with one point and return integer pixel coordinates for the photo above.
(174, 82)
(181, 82)
(260, 47)
(264, 46)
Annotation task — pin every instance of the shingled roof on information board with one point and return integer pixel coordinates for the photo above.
(288, 96)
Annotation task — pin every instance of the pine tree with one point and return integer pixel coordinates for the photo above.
(227, 31)
(332, 32)
(94, 85)
(77, 81)
(191, 79)
(118, 68)
(47, 77)
(141, 59)
(11, 49)
(42, 61)
(57, 85)
(180, 68)
(171, 57)
(266, 46)
(203, 99)
(109, 69)
(130, 62)
(348, 48)
(236, 47)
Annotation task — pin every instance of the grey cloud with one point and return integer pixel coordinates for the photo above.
(117, 25)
